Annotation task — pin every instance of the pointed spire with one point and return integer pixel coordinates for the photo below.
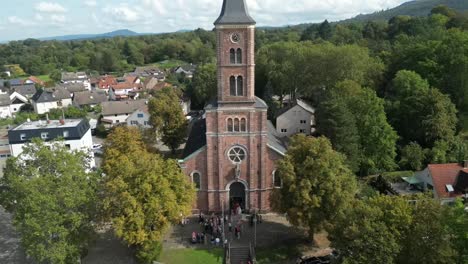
(234, 12)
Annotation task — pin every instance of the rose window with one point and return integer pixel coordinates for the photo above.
(237, 154)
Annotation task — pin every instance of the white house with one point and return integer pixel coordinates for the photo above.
(117, 112)
(139, 118)
(45, 100)
(17, 101)
(76, 77)
(298, 118)
(76, 134)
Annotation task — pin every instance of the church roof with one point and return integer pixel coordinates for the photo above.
(234, 12)
(275, 141)
(259, 103)
(196, 139)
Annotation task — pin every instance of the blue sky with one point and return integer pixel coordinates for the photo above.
(20, 19)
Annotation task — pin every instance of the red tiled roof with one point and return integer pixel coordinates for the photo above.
(443, 174)
(107, 81)
(34, 79)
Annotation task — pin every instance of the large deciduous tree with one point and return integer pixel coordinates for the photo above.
(317, 185)
(52, 197)
(143, 193)
(167, 118)
(204, 84)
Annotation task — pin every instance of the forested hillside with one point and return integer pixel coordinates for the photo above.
(412, 8)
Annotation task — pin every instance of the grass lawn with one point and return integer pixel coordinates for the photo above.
(192, 256)
(215, 256)
(44, 78)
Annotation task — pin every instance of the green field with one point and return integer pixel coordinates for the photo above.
(192, 256)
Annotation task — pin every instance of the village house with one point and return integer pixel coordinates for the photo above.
(76, 134)
(117, 112)
(139, 117)
(295, 119)
(76, 77)
(89, 98)
(44, 101)
(34, 80)
(26, 90)
(148, 71)
(16, 102)
(72, 88)
(5, 106)
(187, 70)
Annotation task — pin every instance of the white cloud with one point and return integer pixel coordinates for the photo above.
(39, 17)
(50, 7)
(57, 18)
(18, 21)
(124, 13)
(90, 3)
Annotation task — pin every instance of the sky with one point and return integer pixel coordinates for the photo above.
(21, 19)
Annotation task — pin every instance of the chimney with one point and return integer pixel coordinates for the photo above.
(47, 117)
(465, 164)
(62, 122)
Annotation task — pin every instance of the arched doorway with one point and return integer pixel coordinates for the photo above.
(237, 195)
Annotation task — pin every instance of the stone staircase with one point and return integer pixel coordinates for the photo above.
(239, 255)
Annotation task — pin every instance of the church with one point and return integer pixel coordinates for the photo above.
(231, 152)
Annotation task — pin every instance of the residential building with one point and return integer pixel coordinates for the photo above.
(15, 82)
(117, 112)
(139, 117)
(89, 98)
(5, 106)
(16, 102)
(72, 88)
(45, 100)
(231, 152)
(4, 150)
(446, 181)
(76, 77)
(149, 71)
(295, 119)
(76, 134)
(187, 70)
(26, 90)
(185, 104)
(34, 80)
(105, 82)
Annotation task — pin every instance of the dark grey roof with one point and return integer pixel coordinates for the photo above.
(15, 82)
(76, 130)
(197, 138)
(275, 141)
(89, 98)
(71, 87)
(53, 95)
(4, 100)
(26, 90)
(234, 12)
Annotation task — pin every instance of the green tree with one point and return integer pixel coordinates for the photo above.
(52, 197)
(325, 30)
(167, 118)
(457, 224)
(143, 193)
(204, 84)
(317, 185)
(372, 230)
(412, 157)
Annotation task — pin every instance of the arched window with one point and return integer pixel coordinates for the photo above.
(230, 126)
(236, 125)
(240, 86)
(196, 179)
(243, 126)
(239, 56)
(232, 84)
(277, 182)
(232, 54)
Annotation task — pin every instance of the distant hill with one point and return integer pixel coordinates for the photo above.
(117, 33)
(412, 8)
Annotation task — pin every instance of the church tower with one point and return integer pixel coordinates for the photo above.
(230, 155)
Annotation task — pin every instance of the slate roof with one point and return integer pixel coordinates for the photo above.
(89, 98)
(197, 138)
(298, 102)
(442, 175)
(71, 87)
(70, 76)
(15, 82)
(4, 100)
(51, 95)
(121, 107)
(234, 12)
(26, 90)
(274, 139)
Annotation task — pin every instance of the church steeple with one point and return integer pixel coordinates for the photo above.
(234, 12)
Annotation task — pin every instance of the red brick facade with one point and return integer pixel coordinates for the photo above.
(218, 172)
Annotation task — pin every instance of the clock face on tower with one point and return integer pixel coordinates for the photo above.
(235, 37)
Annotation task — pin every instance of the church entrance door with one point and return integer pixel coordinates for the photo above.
(237, 195)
